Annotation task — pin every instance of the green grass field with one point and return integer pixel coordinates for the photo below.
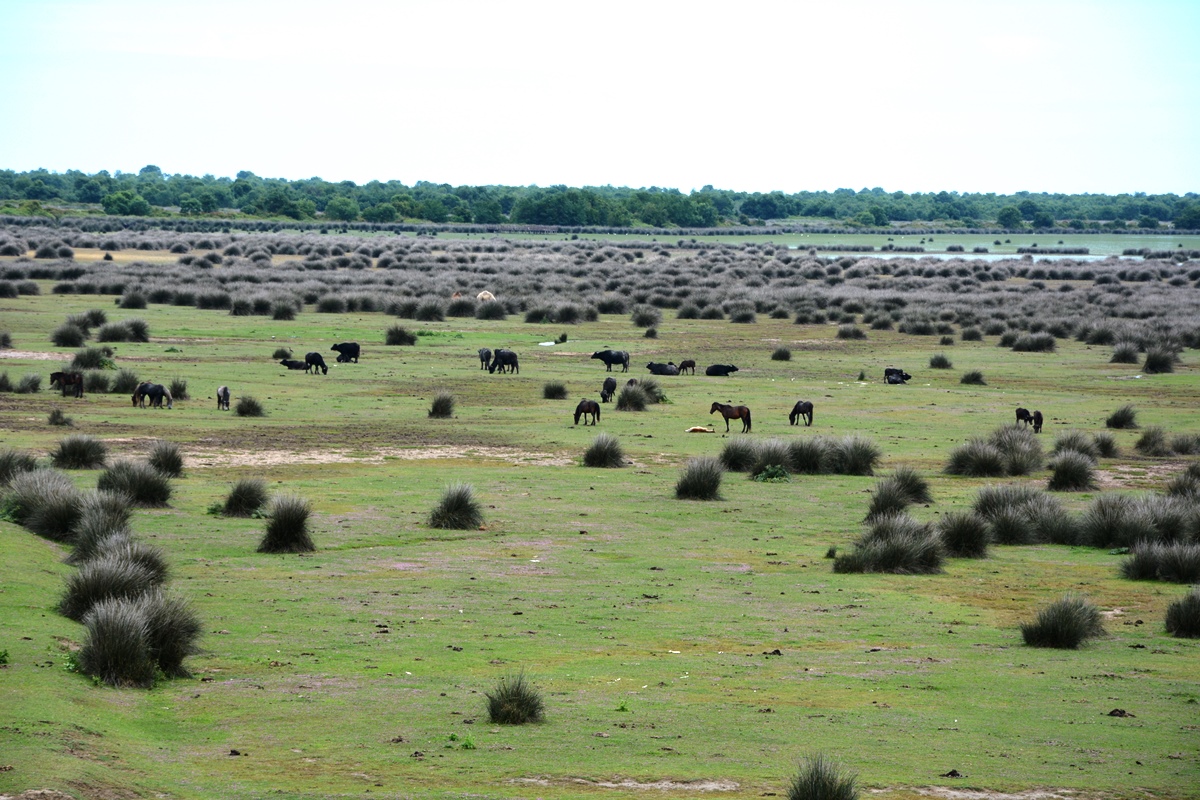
(650, 624)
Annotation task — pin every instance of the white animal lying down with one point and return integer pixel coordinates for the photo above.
(699, 429)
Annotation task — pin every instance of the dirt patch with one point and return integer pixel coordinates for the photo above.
(200, 459)
(983, 794)
(32, 356)
(1138, 475)
(628, 783)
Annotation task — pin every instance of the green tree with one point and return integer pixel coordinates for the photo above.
(342, 208)
(383, 212)
(125, 204)
(1028, 209)
(1009, 217)
(1188, 218)
(433, 210)
(1043, 219)
(488, 212)
(190, 205)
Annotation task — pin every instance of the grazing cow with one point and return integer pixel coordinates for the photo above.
(720, 370)
(291, 363)
(504, 360)
(68, 380)
(610, 386)
(585, 408)
(485, 355)
(223, 398)
(802, 409)
(1023, 415)
(687, 365)
(314, 362)
(895, 376)
(347, 351)
(663, 369)
(1037, 422)
(610, 357)
(733, 412)
(485, 297)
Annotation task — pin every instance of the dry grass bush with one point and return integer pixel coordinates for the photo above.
(29, 384)
(1076, 441)
(58, 418)
(1153, 442)
(1159, 360)
(246, 497)
(853, 455)
(397, 335)
(457, 509)
(1020, 447)
(68, 335)
(116, 645)
(894, 543)
(125, 382)
(103, 578)
(1123, 417)
(1106, 445)
(604, 452)
(1183, 616)
(247, 406)
(1064, 624)
(515, 701)
(964, 535)
(977, 458)
(554, 390)
(738, 454)
(809, 455)
(442, 406)
(654, 391)
(287, 526)
(101, 514)
(850, 332)
(1072, 471)
(770, 455)
(820, 778)
(79, 451)
(179, 389)
(632, 398)
(1174, 562)
(1125, 353)
(781, 354)
(700, 479)
(940, 361)
(167, 458)
(14, 462)
(45, 501)
(142, 483)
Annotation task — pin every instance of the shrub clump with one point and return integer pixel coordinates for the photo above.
(1174, 562)
(605, 452)
(287, 526)
(442, 406)
(13, 462)
(1158, 360)
(79, 451)
(457, 509)
(246, 497)
(1073, 471)
(853, 455)
(1123, 417)
(940, 361)
(129, 640)
(738, 454)
(700, 479)
(820, 778)
(973, 378)
(772, 461)
(166, 458)
(632, 398)
(1064, 624)
(554, 390)
(964, 535)
(142, 483)
(397, 335)
(1183, 616)
(101, 579)
(781, 354)
(514, 701)
(1153, 442)
(247, 406)
(45, 501)
(894, 543)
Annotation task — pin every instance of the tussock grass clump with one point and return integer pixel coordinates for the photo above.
(895, 543)
(167, 458)
(283, 311)
(112, 332)
(1111, 520)
(457, 509)
(971, 334)
(770, 457)
(809, 455)
(1123, 417)
(1174, 562)
(102, 579)
(1125, 353)
(1183, 616)
(1020, 447)
(1034, 343)
(58, 418)
(29, 384)
(554, 390)
(914, 486)
(142, 483)
(700, 479)
(604, 452)
(442, 406)
(430, 311)
(940, 361)
(1073, 471)
(116, 647)
(491, 310)
(287, 526)
(514, 701)
(1020, 514)
(79, 451)
(68, 335)
(96, 382)
(781, 354)
(820, 778)
(92, 358)
(45, 501)
(632, 398)
(281, 353)
(1076, 441)
(6, 384)
(738, 454)
(174, 630)
(1153, 442)
(398, 335)
(1106, 445)
(973, 378)
(100, 514)
(654, 391)
(247, 406)
(646, 317)
(14, 462)
(850, 332)
(123, 547)
(1158, 360)
(854, 455)
(887, 498)
(179, 389)
(976, 458)
(246, 497)
(1185, 444)
(964, 535)
(125, 382)
(1064, 624)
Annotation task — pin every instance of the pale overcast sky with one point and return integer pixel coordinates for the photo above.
(925, 95)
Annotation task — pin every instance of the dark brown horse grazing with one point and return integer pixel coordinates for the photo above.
(68, 380)
(733, 412)
(1023, 415)
(585, 408)
(1037, 420)
(687, 365)
(802, 409)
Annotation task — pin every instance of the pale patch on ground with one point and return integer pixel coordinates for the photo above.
(1125, 476)
(983, 794)
(627, 783)
(32, 356)
(266, 458)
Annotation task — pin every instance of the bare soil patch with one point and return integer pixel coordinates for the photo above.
(1138, 475)
(983, 794)
(629, 783)
(31, 355)
(199, 459)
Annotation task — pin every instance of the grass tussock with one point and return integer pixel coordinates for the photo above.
(1072, 471)
(771, 460)
(973, 378)
(458, 509)
(964, 535)
(103, 578)
(246, 497)
(442, 406)
(1173, 562)
(820, 778)
(101, 514)
(1124, 417)
(940, 361)
(632, 398)
(247, 406)
(604, 452)
(515, 701)
(781, 354)
(142, 483)
(700, 479)
(14, 462)
(738, 454)
(398, 335)
(1064, 624)
(1153, 442)
(116, 645)
(1078, 442)
(894, 543)
(1183, 616)
(554, 390)
(167, 458)
(287, 526)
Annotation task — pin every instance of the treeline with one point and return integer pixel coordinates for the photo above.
(150, 191)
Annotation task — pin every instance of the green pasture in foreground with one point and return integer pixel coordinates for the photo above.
(650, 624)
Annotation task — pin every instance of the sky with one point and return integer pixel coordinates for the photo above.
(1074, 96)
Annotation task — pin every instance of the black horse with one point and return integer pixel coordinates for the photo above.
(687, 365)
(663, 369)
(611, 357)
(610, 386)
(504, 360)
(347, 351)
(1037, 421)
(802, 409)
(68, 380)
(585, 408)
(314, 362)
(733, 412)
(223, 398)
(1023, 415)
(485, 355)
(155, 393)
(720, 370)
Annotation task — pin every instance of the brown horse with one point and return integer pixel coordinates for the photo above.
(585, 408)
(733, 412)
(68, 380)
(687, 365)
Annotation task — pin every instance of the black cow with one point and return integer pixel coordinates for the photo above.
(663, 369)
(1037, 422)
(610, 357)
(1023, 415)
(585, 408)
(223, 398)
(802, 409)
(314, 362)
(504, 359)
(293, 364)
(895, 376)
(610, 386)
(485, 355)
(347, 351)
(720, 370)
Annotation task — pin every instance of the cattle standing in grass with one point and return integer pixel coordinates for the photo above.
(68, 380)
(504, 360)
(585, 408)
(610, 386)
(687, 365)
(802, 409)
(1023, 415)
(720, 370)
(895, 376)
(662, 369)
(610, 357)
(291, 363)
(485, 355)
(347, 351)
(733, 412)
(223, 398)
(1037, 422)
(314, 362)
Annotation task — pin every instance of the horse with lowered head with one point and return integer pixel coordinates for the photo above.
(804, 409)
(585, 408)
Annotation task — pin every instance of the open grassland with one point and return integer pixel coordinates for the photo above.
(682, 648)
